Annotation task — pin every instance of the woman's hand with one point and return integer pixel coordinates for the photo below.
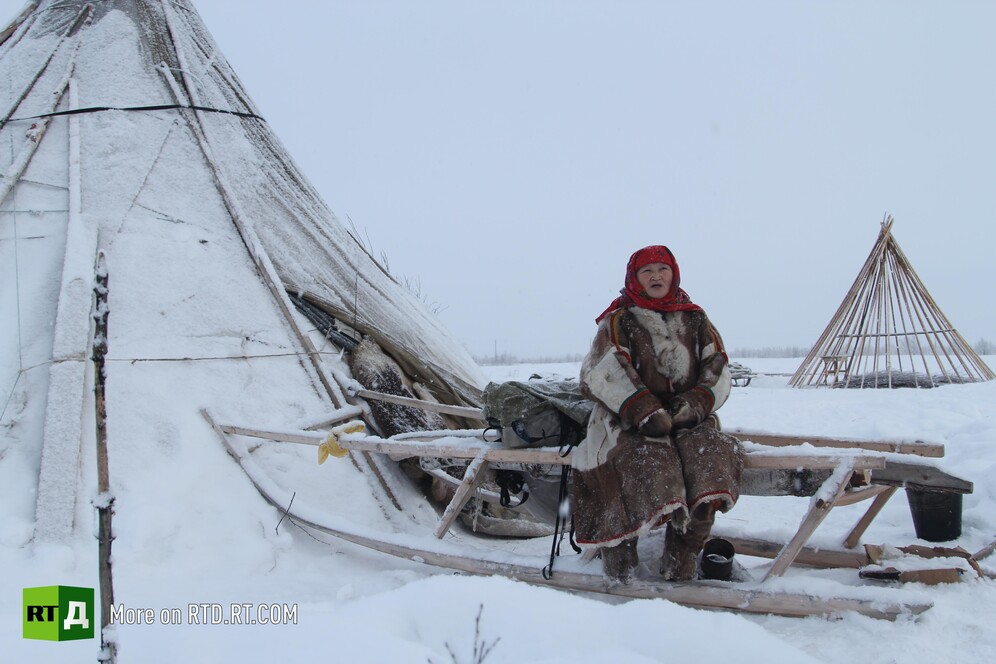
(682, 415)
(657, 424)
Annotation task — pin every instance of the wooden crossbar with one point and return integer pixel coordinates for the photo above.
(917, 447)
(470, 448)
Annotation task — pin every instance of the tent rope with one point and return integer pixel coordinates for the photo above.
(157, 107)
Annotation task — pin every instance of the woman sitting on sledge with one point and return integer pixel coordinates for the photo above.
(657, 372)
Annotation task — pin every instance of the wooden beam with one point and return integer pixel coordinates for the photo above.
(985, 551)
(476, 471)
(432, 406)
(808, 556)
(858, 495)
(16, 23)
(918, 476)
(819, 510)
(917, 447)
(861, 526)
(532, 455)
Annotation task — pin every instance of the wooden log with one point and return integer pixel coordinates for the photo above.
(105, 504)
(917, 447)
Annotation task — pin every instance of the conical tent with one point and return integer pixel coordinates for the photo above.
(889, 332)
(124, 133)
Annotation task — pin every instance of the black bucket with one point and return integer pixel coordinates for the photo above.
(717, 559)
(936, 514)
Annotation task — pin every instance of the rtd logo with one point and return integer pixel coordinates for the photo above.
(58, 613)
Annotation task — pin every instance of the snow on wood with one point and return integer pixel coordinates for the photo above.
(57, 479)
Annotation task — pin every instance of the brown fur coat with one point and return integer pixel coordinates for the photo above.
(626, 483)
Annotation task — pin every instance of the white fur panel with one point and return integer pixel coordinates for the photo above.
(721, 390)
(601, 437)
(673, 359)
(608, 381)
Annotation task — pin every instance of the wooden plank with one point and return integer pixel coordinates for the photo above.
(858, 495)
(472, 478)
(335, 417)
(807, 556)
(812, 461)
(917, 447)
(918, 476)
(432, 447)
(817, 513)
(985, 551)
(459, 411)
(62, 434)
(782, 481)
(861, 526)
(302, 437)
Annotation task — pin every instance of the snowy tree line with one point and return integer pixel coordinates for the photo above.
(982, 347)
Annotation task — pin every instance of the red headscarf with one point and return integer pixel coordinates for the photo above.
(634, 295)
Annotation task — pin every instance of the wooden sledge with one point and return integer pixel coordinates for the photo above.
(750, 598)
(847, 480)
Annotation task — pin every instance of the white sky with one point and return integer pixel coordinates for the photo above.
(508, 157)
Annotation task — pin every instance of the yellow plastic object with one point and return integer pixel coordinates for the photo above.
(331, 447)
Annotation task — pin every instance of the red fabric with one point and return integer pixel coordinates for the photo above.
(634, 295)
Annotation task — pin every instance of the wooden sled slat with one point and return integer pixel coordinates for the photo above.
(705, 595)
(917, 447)
(766, 473)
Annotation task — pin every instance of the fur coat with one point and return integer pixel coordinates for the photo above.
(626, 483)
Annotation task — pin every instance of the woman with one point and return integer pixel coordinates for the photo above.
(657, 372)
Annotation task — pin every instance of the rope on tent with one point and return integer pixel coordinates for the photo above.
(156, 107)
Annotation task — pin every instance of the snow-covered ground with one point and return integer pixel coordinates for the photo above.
(192, 327)
(191, 530)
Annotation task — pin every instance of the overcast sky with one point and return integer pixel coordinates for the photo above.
(508, 157)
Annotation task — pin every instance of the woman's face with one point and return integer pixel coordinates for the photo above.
(656, 279)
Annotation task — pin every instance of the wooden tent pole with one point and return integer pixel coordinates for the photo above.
(20, 163)
(897, 290)
(867, 324)
(958, 345)
(105, 500)
(265, 267)
(905, 293)
(819, 348)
